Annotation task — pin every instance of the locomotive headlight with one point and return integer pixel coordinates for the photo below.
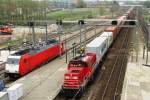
(67, 77)
(74, 77)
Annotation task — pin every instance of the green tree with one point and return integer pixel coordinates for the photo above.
(20, 11)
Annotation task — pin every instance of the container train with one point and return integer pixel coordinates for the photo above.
(81, 69)
(24, 61)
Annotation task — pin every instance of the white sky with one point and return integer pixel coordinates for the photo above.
(117, 0)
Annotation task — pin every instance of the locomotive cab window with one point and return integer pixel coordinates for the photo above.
(77, 64)
(14, 61)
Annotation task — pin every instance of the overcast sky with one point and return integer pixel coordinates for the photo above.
(116, 0)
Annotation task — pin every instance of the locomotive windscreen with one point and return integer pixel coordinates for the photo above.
(14, 61)
(21, 52)
(77, 63)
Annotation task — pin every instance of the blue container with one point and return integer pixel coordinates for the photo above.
(2, 85)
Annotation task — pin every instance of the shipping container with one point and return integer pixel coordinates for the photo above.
(114, 30)
(98, 46)
(109, 36)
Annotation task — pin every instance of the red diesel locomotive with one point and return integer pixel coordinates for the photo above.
(80, 70)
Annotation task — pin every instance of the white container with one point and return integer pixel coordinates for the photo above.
(15, 91)
(109, 36)
(4, 96)
(100, 45)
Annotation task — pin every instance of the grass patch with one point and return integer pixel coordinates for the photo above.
(76, 14)
(11, 43)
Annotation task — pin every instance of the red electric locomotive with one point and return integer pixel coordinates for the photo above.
(24, 61)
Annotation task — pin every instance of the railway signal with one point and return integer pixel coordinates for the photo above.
(59, 22)
(81, 22)
(114, 22)
(105, 22)
(132, 23)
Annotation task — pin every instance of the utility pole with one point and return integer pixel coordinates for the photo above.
(59, 23)
(82, 34)
(46, 35)
(98, 7)
(74, 50)
(33, 33)
(31, 25)
(112, 9)
(148, 42)
(66, 48)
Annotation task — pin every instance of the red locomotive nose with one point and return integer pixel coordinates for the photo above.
(79, 71)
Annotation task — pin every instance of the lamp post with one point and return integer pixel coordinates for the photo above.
(82, 35)
(59, 30)
(74, 49)
(31, 25)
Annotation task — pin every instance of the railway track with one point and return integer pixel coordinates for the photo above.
(73, 33)
(111, 76)
(79, 45)
(69, 35)
(112, 84)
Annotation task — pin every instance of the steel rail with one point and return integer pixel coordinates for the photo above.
(113, 69)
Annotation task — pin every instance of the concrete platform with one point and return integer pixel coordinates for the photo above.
(137, 78)
(45, 82)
